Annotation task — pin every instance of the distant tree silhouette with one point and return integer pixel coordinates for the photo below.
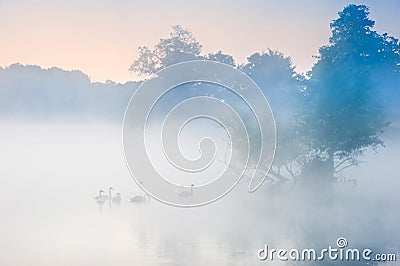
(179, 47)
(222, 58)
(345, 115)
(31, 91)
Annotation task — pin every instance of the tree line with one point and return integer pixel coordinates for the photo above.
(326, 118)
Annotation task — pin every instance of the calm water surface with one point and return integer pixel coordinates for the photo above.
(50, 174)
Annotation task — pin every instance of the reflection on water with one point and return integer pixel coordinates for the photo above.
(50, 175)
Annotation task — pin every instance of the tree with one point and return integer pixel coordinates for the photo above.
(346, 116)
(179, 47)
(222, 58)
(275, 75)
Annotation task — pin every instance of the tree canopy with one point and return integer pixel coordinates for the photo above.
(179, 47)
(345, 115)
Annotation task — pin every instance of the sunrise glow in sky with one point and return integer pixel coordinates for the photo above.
(101, 38)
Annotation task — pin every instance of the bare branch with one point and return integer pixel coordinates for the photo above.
(299, 162)
(342, 162)
(290, 171)
(347, 166)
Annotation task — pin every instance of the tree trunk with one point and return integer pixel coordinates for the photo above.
(317, 180)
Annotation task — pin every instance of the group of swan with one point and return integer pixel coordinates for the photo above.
(112, 199)
(102, 198)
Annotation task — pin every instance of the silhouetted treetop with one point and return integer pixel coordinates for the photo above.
(352, 22)
(222, 58)
(353, 36)
(271, 70)
(179, 47)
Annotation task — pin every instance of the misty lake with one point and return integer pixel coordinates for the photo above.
(51, 172)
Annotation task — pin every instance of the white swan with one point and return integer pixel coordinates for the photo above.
(139, 198)
(101, 198)
(117, 198)
(186, 193)
(110, 189)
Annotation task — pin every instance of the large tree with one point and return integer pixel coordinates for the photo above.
(179, 47)
(346, 114)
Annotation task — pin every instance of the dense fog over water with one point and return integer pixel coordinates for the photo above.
(51, 173)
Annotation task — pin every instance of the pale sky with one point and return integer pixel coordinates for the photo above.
(100, 37)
